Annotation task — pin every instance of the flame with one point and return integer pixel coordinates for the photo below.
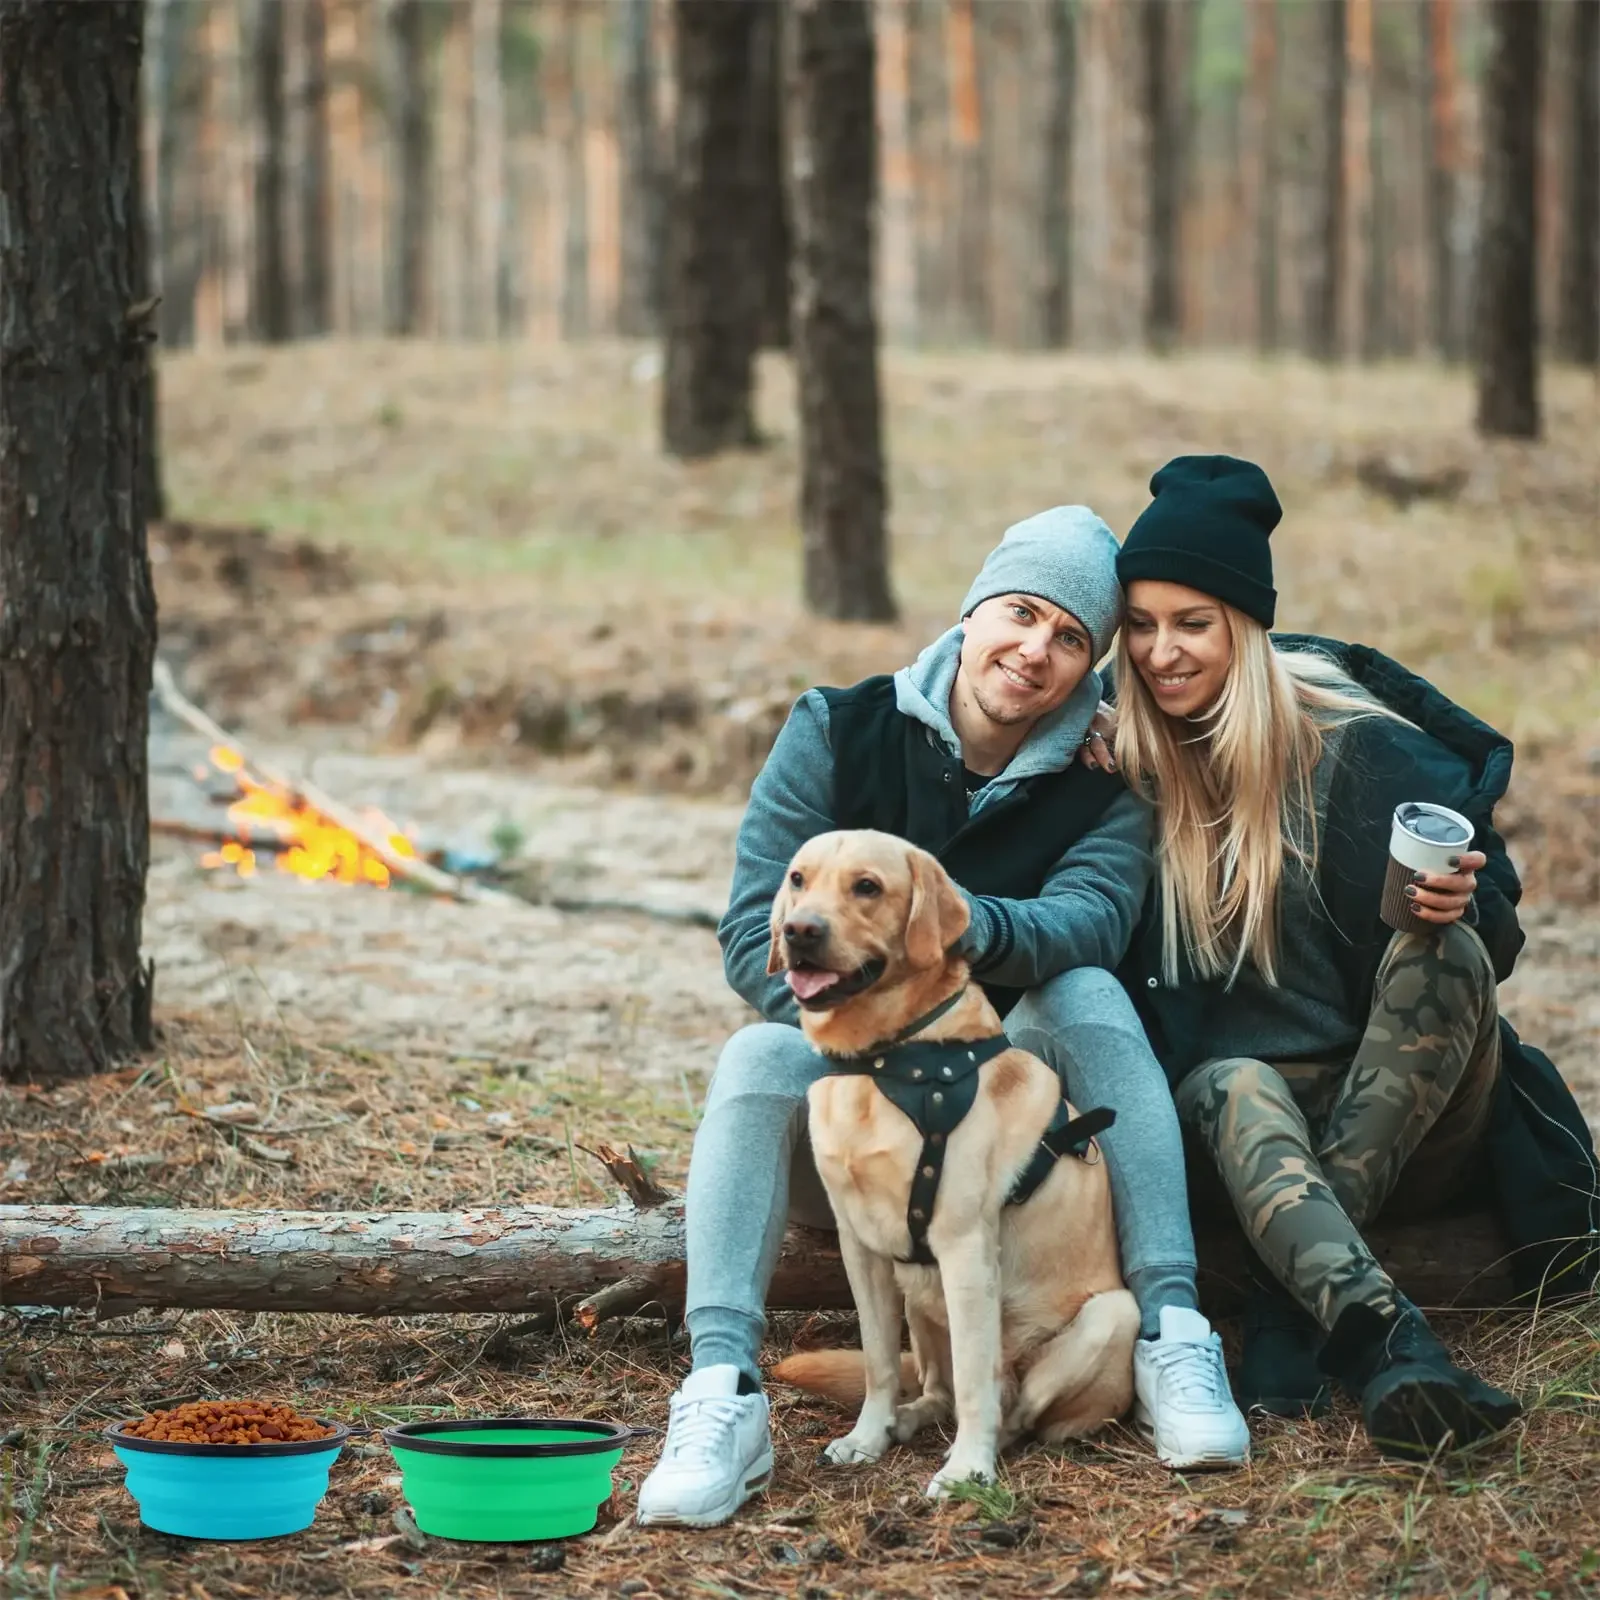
(314, 846)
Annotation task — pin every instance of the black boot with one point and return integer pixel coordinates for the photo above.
(1278, 1369)
(1415, 1400)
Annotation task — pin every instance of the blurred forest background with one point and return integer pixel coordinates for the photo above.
(1277, 174)
(420, 306)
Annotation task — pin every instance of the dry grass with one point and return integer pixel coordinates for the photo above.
(1315, 1513)
(528, 577)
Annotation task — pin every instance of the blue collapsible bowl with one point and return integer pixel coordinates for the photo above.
(227, 1491)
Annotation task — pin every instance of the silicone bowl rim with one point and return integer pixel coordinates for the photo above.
(413, 1436)
(267, 1447)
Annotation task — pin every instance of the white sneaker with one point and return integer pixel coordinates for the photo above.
(718, 1453)
(1184, 1405)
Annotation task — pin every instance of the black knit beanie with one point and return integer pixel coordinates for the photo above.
(1207, 528)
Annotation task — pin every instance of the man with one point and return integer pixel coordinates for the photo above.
(970, 753)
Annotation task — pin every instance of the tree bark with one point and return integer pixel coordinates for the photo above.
(1326, 288)
(639, 138)
(269, 280)
(412, 144)
(1262, 166)
(712, 300)
(1441, 154)
(1507, 319)
(1578, 317)
(843, 490)
(145, 328)
(77, 628)
(315, 309)
(770, 229)
(515, 1258)
(1162, 102)
(1055, 214)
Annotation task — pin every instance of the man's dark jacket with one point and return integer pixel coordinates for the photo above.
(1053, 858)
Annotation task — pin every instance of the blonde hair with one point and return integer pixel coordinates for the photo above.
(1234, 792)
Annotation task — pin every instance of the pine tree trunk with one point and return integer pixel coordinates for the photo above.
(412, 205)
(1055, 214)
(1360, 316)
(488, 168)
(315, 199)
(269, 280)
(830, 72)
(969, 215)
(1441, 154)
(77, 629)
(1326, 287)
(1161, 101)
(1261, 159)
(928, 126)
(712, 299)
(575, 252)
(144, 329)
(770, 221)
(1008, 59)
(639, 136)
(1578, 318)
(172, 267)
(1507, 319)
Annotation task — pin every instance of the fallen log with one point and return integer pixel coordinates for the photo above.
(606, 1261)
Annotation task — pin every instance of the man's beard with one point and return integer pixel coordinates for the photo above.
(1000, 717)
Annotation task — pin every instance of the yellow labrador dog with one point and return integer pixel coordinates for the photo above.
(928, 1123)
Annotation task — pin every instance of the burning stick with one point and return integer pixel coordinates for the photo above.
(401, 863)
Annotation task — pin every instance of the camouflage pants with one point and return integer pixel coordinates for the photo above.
(1309, 1152)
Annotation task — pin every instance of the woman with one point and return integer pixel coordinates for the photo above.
(1326, 1064)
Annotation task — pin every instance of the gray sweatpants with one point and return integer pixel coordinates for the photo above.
(751, 1169)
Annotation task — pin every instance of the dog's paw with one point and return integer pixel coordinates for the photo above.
(954, 1472)
(911, 1418)
(856, 1449)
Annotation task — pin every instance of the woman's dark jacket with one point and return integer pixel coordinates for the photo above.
(1540, 1152)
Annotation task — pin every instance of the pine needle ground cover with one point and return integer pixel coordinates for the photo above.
(1316, 1512)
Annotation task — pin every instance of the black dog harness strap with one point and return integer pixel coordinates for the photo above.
(934, 1082)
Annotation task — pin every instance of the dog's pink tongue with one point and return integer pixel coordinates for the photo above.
(811, 982)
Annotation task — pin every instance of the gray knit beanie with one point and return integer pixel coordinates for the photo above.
(1065, 555)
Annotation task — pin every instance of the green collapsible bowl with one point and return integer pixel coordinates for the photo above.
(504, 1479)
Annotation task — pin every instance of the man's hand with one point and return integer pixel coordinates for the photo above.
(1097, 743)
(1441, 897)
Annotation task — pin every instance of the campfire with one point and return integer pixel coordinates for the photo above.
(302, 839)
(306, 831)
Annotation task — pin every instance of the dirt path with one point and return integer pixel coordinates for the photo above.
(407, 973)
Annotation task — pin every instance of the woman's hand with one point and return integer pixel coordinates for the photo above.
(1097, 742)
(1441, 897)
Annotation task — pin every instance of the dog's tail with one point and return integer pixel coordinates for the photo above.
(838, 1375)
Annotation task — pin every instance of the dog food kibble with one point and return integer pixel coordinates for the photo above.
(227, 1422)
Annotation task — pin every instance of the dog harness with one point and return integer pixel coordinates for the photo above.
(935, 1082)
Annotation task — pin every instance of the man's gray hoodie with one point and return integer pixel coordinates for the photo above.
(1084, 915)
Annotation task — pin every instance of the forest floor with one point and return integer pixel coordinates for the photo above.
(485, 606)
